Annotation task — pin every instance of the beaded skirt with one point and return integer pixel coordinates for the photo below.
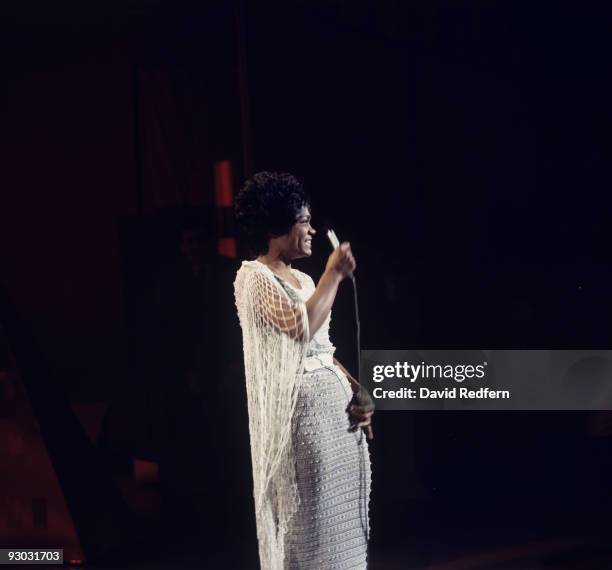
(330, 530)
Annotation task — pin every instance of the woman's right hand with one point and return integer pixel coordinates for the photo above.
(341, 260)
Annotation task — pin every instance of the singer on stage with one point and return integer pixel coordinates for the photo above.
(308, 418)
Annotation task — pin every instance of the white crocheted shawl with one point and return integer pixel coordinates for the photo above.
(275, 336)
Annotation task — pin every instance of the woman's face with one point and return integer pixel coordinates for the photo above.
(298, 242)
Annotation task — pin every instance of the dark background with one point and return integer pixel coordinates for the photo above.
(462, 147)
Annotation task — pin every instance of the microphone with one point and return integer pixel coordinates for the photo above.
(333, 238)
(335, 242)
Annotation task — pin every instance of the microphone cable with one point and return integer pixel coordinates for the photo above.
(363, 483)
(357, 327)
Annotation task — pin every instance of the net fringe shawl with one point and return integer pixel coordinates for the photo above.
(275, 334)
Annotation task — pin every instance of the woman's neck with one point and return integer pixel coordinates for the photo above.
(276, 262)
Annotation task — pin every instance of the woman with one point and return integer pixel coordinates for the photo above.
(307, 415)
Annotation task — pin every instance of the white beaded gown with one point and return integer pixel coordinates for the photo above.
(329, 525)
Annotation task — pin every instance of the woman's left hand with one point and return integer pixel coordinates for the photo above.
(361, 410)
(364, 420)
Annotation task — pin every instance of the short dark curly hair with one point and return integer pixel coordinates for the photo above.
(268, 204)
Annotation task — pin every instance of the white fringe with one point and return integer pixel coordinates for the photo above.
(275, 336)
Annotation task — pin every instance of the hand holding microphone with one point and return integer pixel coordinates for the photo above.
(341, 260)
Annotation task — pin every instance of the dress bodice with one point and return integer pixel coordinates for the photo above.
(320, 344)
(320, 341)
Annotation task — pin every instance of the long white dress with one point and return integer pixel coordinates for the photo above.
(316, 514)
